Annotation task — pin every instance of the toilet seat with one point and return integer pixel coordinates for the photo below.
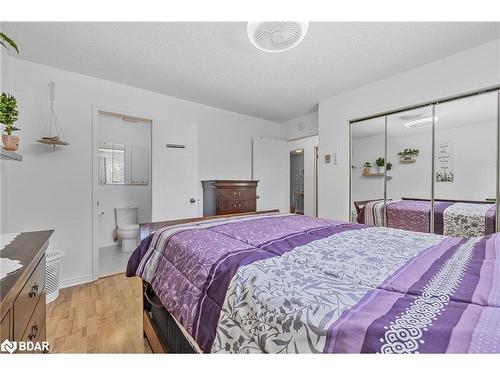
(129, 227)
(128, 231)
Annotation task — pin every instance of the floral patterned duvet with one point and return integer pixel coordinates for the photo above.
(282, 283)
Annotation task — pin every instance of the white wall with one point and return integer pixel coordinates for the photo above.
(115, 130)
(51, 188)
(300, 127)
(307, 144)
(469, 70)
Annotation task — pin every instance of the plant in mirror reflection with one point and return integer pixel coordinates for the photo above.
(380, 162)
(408, 153)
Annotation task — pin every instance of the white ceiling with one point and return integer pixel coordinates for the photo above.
(215, 63)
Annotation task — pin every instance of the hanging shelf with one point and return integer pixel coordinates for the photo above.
(58, 138)
(52, 141)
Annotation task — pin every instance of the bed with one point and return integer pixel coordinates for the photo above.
(451, 218)
(285, 283)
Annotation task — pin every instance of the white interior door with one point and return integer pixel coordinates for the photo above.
(175, 171)
(271, 166)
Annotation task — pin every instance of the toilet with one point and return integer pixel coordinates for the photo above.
(127, 227)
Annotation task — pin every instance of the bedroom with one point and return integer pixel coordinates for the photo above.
(184, 187)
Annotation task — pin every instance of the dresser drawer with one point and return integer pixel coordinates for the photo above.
(5, 327)
(230, 207)
(35, 331)
(39, 348)
(240, 194)
(27, 300)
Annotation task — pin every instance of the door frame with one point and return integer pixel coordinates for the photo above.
(96, 110)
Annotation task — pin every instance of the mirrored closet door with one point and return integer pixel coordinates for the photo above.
(432, 168)
(466, 165)
(367, 180)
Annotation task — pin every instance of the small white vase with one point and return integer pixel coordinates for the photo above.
(380, 169)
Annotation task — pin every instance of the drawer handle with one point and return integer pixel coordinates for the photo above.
(34, 331)
(34, 290)
(237, 205)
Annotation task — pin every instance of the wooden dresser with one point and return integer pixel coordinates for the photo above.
(22, 293)
(221, 197)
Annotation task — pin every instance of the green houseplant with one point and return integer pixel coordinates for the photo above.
(388, 166)
(408, 154)
(367, 167)
(380, 164)
(8, 115)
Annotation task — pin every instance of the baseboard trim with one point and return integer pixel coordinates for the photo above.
(75, 281)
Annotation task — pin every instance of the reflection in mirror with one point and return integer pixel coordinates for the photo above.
(122, 164)
(465, 165)
(446, 186)
(367, 178)
(409, 159)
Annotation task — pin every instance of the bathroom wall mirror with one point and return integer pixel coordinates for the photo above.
(122, 164)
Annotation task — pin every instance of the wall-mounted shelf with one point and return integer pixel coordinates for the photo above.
(10, 155)
(407, 161)
(376, 175)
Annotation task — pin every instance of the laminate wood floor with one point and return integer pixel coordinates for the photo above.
(104, 316)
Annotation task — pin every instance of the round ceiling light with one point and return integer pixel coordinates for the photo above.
(276, 36)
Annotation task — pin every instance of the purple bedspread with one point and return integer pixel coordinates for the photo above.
(190, 266)
(444, 301)
(288, 283)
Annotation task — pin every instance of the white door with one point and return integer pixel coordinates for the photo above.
(175, 171)
(271, 166)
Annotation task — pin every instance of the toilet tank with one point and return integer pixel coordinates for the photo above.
(126, 216)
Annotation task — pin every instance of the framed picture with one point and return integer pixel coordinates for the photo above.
(444, 165)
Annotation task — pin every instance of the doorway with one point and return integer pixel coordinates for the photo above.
(303, 154)
(297, 181)
(121, 188)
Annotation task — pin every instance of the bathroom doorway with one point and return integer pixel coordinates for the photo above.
(304, 175)
(121, 188)
(297, 181)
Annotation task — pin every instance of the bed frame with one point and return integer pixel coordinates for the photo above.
(160, 328)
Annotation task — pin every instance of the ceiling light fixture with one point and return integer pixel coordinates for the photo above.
(299, 151)
(276, 36)
(421, 122)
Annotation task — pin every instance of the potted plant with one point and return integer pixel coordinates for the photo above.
(367, 167)
(388, 167)
(8, 115)
(380, 165)
(408, 154)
